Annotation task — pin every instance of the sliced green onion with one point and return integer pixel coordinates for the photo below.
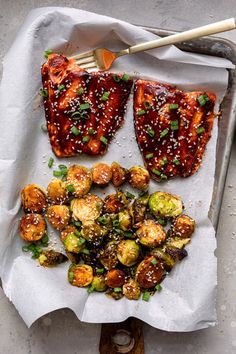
(146, 296)
(84, 115)
(150, 132)
(103, 140)
(71, 276)
(202, 99)
(117, 290)
(130, 195)
(176, 162)
(128, 234)
(105, 96)
(164, 161)
(147, 104)
(154, 261)
(81, 241)
(75, 131)
(118, 231)
(85, 139)
(47, 52)
(163, 177)
(86, 251)
(50, 162)
(200, 130)
(44, 240)
(62, 167)
(158, 287)
(156, 172)
(141, 112)
(125, 77)
(164, 133)
(78, 224)
(116, 78)
(44, 128)
(80, 91)
(91, 131)
(43, 92)
(76, 115)
(102, 220)
(174, 125)
(57, 173)
(173, 106)
(25, 248)
(161, 221)
(70, 188)
(84, 106)
(149, 156)
(100, 270)
(61, 87)
(90, 289)
(115, 223)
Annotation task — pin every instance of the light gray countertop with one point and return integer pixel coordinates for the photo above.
(61, 332)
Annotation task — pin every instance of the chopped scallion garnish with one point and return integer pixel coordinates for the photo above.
(154, 261)
(125, 77)
(146, 296)
(75, 131)
(164, 161)
(44, 128)
(47, 52)
(176, 161)
(115, 223)
(50, 162)
(130, 195)
(158, 287)
(116, 78)
(105, 96)
(202, 99)
(84, 106)
(80, 91)
(43, 92)
(90, 289)
(200, 130)
(91, 131)
(147, 104)
(103, 140)
(86, 251)
(71, 276)
(141, 112)
(161, 221)
(149, 156)
(174, 124)
(81, 241)
(150, 132)
(100, 270)
(117, 290)
(57, 173)
(164, 133)
(85, 139)
(70, 188)
(173, 106)
(163, 177)
(61, 87)
(156, 172)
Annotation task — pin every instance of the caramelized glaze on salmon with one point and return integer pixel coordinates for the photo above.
(172, 128)
(83, 110)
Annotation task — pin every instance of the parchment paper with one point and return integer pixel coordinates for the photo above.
(187, 301)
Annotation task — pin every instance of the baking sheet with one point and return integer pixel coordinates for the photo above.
(187, 301)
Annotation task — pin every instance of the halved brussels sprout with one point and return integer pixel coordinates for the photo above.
(32, 227)
(80, 275)
(69, 229)
(74, 244)
(125, 220)
(119, 174)
(108, 256)
(51, 258)
(139, 177)
(131, 290)
(165, 258)
(101, 174)
(80, 178)
(150, 233)
(114, 203)
(93, 232)
(33, 199)
(57, 192)
(98, 283)
(139, 208)
(183, 226)
(149, 273)
(165, 205)
(87, 208)
(128, 252)
(58, 216)
(115, 278)
(178, 243)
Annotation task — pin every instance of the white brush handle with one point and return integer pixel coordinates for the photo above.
(207, 30)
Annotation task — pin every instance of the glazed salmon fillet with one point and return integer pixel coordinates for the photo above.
(172, 128)
(83, 110)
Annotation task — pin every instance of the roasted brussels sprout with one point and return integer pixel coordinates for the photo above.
(183, 226)
(80, 178)
(139, 208)
(176, 253)
(33, 199)
(177, 242)
(101, 174)
(87, 208)
(69, 229)
(108, 256)
(165, 205)
(149, 273)
(164, 257)
(74, 244)
(51, 258)
(57, 192)
(139, 177)
(125, 220)
(119, 174)
(80, 275)
(128, 252)
(58, 216)
(115, 278)
(98, 283)
(32, 227)
(114, 203)
(150, 233)
(93, 232)
(131, 290)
